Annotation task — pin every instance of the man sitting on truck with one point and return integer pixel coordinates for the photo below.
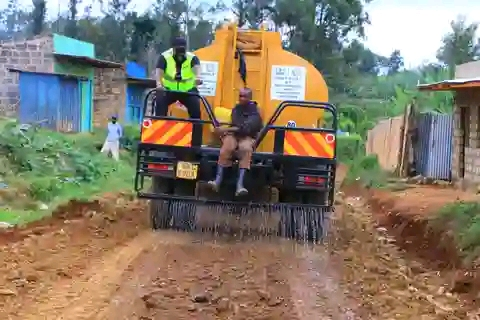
(246, 123)
(177, 70)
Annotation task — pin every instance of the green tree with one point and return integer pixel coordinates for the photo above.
(318, 31)
(460, 45)
(71, 29)
(38, 16)
(15, 21)
(395, 62)
(357, 56)
(253, 12)
(142, 36)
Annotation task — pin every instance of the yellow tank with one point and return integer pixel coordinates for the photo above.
(273, 74)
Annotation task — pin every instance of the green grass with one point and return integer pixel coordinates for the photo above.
(40, 170)
(463, 219)
(366, 171)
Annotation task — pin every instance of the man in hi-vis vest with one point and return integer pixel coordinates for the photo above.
(177, 70)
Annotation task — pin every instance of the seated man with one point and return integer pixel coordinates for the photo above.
(246, 122)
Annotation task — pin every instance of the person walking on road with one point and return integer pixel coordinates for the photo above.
(112, 142)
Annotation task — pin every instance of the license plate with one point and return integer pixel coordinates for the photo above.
(187, 170)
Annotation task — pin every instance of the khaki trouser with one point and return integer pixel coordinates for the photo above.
(245, 150)
(112, 147)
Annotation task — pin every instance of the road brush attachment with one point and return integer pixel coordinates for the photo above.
(290, 190)
(240, 220)
(261, 221)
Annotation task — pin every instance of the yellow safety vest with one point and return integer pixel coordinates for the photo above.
(188, 76)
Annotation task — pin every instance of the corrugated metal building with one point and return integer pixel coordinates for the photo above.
(137, 85)
(55, 100)
(434, 146)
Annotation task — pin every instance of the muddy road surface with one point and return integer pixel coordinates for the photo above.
(99, 260)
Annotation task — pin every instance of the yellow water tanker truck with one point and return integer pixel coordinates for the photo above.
(291, 180)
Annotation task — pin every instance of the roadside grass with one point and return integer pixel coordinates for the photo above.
(41, 169)
(364, 170)
(463, 219)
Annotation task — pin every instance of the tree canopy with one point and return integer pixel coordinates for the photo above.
(365, 85)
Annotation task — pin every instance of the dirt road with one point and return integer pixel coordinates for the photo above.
(101, 261)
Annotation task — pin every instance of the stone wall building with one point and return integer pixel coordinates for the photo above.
(466, 134)
(110, 95)
(34, 55)
(96, 88)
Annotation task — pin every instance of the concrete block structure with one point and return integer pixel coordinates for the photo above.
(58, 80)
(34, 55)
(466, 117)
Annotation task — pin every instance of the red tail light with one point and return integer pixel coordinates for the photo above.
(311, 180)
(161, 167)
(147, 123)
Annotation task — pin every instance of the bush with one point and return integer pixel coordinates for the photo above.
(349, 147)
(45, 188)
(32, 149)
(463, 217)
(367, 171)
(131, 137)
(49, 164)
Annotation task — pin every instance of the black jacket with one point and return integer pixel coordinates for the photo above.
(248, 119)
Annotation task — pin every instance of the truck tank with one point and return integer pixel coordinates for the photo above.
(255, 58)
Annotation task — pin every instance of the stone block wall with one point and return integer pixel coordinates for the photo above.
(109, 96)
(468, 70)
(31, 55)
(467, 102)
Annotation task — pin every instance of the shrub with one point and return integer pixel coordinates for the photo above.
(349, 147)
(131, 137)
(463, 217)
(367, 171)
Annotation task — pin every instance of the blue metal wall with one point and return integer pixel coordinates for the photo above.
(135, 70)
(441, 146)
(38, 98)
(135, 96)
(70, 110)
(50, 99)
(135, 92)
(421, 149)
(433, 155)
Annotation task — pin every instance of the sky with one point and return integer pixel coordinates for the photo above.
(415, 27)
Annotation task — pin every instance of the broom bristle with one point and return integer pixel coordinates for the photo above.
(307, 223)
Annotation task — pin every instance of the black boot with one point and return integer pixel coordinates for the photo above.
(240, 190)
(215, 184)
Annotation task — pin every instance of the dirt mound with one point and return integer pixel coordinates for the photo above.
(390, 285)
(61, 247)
(73, 210)
(407, 219)
(405, 215)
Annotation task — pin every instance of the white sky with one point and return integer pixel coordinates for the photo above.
(415, 27)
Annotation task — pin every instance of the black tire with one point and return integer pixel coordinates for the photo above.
(160, 216)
